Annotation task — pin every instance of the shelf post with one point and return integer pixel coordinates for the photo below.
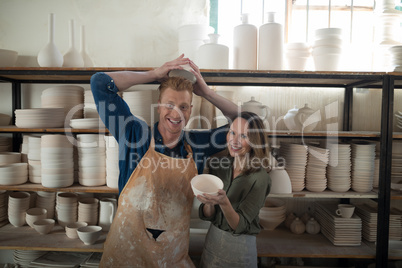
(384, 187)
(348, 109)
(16, 104)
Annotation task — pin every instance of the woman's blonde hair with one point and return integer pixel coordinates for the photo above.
(259, 154)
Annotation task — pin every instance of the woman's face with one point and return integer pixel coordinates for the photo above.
(237, 138)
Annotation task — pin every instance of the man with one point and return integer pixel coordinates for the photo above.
(151, 227)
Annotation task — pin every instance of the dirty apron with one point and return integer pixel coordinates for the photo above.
(223, 249)
(152, 223)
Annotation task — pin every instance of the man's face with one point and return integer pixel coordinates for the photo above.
(174, 110)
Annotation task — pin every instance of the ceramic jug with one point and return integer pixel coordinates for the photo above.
(49, 55)
(212, 55)
(107, 212)
(256, 107)
(306, 119)
(289, 119)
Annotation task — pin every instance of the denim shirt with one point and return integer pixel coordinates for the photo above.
(134, 135)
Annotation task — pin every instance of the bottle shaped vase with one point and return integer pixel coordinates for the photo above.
(49, 55)
(72, 58)
(245, 45)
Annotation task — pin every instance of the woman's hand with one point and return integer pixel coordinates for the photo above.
(213, 200)
(162, 71)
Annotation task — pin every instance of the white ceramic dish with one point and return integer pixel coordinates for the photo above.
(206, 184)
(89, 234)
(71, 229)
(44, 226)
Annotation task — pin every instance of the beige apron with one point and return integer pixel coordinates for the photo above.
(152, 223)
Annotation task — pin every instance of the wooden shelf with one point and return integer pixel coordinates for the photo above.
(14, 129)
(327, 194)
(26, 238)
(32, 187)
(282, 243)
(212, 77)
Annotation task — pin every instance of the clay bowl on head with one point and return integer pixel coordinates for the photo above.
(206, 184)
(44, 226)
(89, 234)
(71, 228)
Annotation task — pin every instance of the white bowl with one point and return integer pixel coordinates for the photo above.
(71, 228)
(328, 31)
(327, 62)
(8, 58)
(9, 158)
(44, 226)
(89, 234)
(35, 214)
(206, 184)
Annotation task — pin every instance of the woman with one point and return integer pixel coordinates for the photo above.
(231, 239)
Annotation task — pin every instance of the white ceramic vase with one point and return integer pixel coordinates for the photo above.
(270, 49)
(72, 58)
(245, 45)
(49, 55)
(213, 55)
(87, 60)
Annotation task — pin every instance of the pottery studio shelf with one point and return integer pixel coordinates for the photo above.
(33, 187)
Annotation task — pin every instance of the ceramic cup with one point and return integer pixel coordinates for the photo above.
(345, 210)
(107, 212)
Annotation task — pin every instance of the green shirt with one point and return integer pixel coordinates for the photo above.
(247, 194)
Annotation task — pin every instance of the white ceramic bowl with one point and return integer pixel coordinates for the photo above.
(35, 214)
(9, 158)
(44, 226)
(327, 62)
(8, 58)
(328, 31)
(89, 234)
(206, 184)
(71, 228)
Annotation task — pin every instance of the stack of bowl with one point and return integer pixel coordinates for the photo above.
(13, 174)
(112, 162)
(18, 204)
(34, 214)
(327, 49)
(57, 161)
(66, 208)
(297, 55)
(5, 144)
(396, 60)
(272, 214)
(9, 158)
(140, 104)
(88, 210)
(3, 207)
(70, 97)
(46, 200)
(91, 159)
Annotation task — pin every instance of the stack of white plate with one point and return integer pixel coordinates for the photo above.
(60, 259)
(112, 162)
(13, 174)
(91, 159)
(24, 257)
(316, 180)
(39, 118)
(93, 261)
(339, 167)
(140, 104)
(88, 210)
(376, 175)
(396, 65)
(295, 156)
(273, 213)
(398, 121)
(297, 55)
(340, 231)
(368, 214)
(363, 155)
(46, 200)
(87, 123)
(327, 49)
(89, 105)
(396, 171)
(24, 148)
(9, 158)
(3, 207)
(69, 97)
(56, 161)
(18, 204)
(34, 148)
(5, 144)
(66, 208)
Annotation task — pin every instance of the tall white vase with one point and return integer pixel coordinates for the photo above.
(72, 58)
(213, 55)
(245, 45)
(87, 60)
(49, 55)
(270, 49)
